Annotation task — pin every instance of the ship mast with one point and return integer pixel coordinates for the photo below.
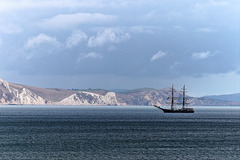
(172, 97)
(184, 97)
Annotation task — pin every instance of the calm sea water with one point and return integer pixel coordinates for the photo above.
(113, 132)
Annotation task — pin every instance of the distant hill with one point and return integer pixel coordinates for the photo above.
(11, 93)
(227, 97)
(148, 96)
(118, 90)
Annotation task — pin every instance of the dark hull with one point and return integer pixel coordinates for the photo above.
(177, 111)
(185, 110)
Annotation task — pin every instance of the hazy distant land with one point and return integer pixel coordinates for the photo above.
(11, 93)
(227, 97)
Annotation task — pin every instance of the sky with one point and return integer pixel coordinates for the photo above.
(122, 44)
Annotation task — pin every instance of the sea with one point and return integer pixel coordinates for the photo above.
(118, 133)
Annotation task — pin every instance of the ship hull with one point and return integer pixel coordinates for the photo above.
(177, 111)
(184, 110)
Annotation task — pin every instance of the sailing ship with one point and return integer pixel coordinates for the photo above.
(184, 109)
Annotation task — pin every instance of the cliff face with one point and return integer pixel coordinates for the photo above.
(10, 95)
(87, 98)
(22, 94)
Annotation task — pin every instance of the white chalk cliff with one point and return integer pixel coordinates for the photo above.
(22, 95)
(87, 98)
(10, 95)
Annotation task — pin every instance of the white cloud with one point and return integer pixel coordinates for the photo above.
(175, 65)
(66, 21)
(158, 55)
(200, 7)
(178, 27)
(150, 15)
(91, 55)
(202, 55)
(145, 29)
(167, 16)
(109, 35)
(207, 30)
(76, 38)
(6, 5)
(219, 3)
(11, 5)
(10, 29)
(40, 39)
(41, 45)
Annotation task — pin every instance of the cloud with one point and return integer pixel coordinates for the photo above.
(175, 65)
(158, 55)
(216, 13)
(32, 4)
(150, 15)
(6, 5)
(12, 5)
(202, 55)
(163, 17)
(109, 35)
(10, 29)
(41, 46)
(145, 29)
(200, 6)
(39, 40)
(91, 55)
(219, 3)
(207, 30)
(65, 21)
(178, 27)
(111, 48)
(76, 38)
(1, 42)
